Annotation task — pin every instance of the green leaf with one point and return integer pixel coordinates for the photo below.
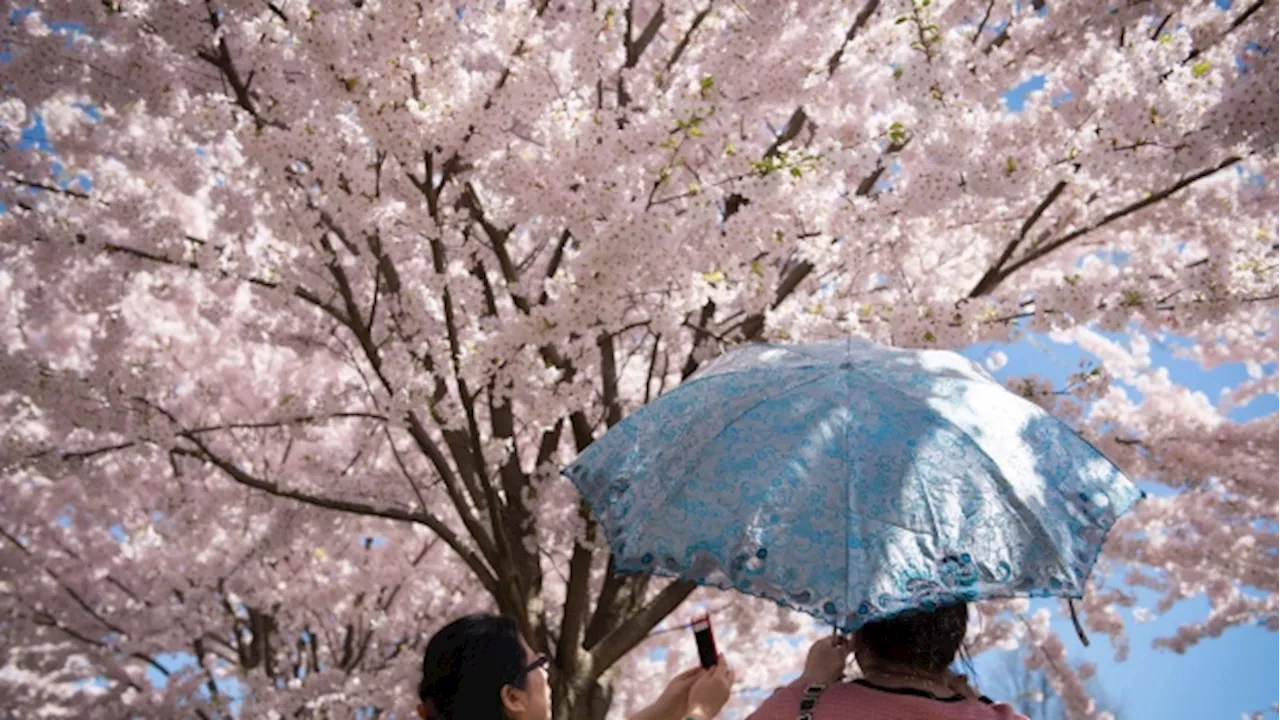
(901, 20)
(897, 133)
(757, 269)
(1010, 165)
(796, 172)
(1201, 68)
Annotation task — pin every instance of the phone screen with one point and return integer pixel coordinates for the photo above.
(706, 641)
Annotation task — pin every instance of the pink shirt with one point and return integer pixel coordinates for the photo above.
(860, 700)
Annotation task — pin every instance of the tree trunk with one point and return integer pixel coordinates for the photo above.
(591, 703)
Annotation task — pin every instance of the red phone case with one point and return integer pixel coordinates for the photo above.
(706, 640)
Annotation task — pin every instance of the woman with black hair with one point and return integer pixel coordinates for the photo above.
(906, 675)
(479, 668)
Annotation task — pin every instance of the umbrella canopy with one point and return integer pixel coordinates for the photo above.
(852, 481)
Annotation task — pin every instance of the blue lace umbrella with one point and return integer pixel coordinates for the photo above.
(852, 481)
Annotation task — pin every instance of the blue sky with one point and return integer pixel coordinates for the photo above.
(1219, 678)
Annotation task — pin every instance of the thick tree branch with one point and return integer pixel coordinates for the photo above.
(490, 546)
(609, 380)
(1044, 249)
(688, 36)
(637, 46)
(574, 617)
(992, 277)
(700, 335)
(515, 596)
(859, 22)
(635, 628)
(605, 616)
(518, 519)
(751, 328)
(553, 266)
(793, 127)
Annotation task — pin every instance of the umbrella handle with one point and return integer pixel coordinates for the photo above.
(1075, 620)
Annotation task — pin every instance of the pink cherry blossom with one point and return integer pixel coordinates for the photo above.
(288, 380)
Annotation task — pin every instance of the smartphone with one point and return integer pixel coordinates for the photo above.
(706, 640)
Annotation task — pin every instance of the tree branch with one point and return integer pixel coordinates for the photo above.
(474, 562)
(794, 125)
(220, 57)
(992, 277)
(300, 292)
(751, 328)
(573, 618)
(494, 548)
(699, 336)
(636, 47)
(688, 35)
(859, 22)
(983, 25)
(48, 188)
(1043, 250)
(632, 631)
(619, 594)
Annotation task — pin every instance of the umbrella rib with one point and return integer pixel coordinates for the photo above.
(848, 489)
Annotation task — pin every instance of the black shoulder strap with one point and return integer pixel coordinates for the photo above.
(809, 700)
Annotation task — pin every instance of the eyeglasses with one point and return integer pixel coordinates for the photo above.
(540, 661)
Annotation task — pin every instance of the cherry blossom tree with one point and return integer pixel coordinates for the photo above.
(307, 300)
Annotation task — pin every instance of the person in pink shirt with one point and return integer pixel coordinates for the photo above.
(906, 675)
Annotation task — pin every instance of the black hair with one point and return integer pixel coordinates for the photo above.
(466, 665)
(928, 641)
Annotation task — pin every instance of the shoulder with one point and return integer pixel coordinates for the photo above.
(1004, 711)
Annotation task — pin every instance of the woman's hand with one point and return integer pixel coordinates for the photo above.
(693, 693)
(826, 661)
(710, 691)
(675, 698)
